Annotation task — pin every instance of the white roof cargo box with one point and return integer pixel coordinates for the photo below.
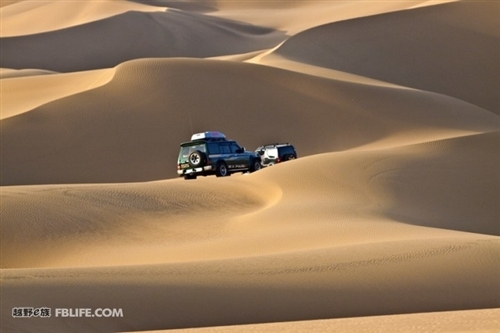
(208, 135)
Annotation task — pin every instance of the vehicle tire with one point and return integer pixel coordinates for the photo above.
(187, 177)
(197, 158)
(290, 157)
(255, 165)
(221, 170)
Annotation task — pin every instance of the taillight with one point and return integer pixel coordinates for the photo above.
(278, 160)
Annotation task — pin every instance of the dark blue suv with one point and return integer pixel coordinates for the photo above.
(210, 153)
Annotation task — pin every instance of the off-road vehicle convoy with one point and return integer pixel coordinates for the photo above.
(210, 153)
(276, 153)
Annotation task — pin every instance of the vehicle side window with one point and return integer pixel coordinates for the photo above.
(213, 149)
(225, 149)
(272, 152)
(234, 148)
(287, 150)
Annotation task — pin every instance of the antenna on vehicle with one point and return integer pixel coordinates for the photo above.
(191, 122)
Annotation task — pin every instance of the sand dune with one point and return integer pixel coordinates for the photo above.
(271, 244)
(387, 221)
(42, 88)
(414, 276)
(332, 211)
(130, 128)
(296, 16)
(484, 321)
(54, 15)
(356, 46)
(7, 73)
(132, 35)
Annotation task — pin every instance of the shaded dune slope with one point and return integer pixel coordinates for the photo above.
(43, 88)
(130, 128)
(132, 35)
(46, 15)
(445, 49)
(297, 16)
(7, 73)
(403, 184)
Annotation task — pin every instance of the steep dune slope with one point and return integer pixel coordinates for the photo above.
(296, 16)
(451, 184)
(130, 128)
(132, 35)
(33, 17)
(445, 49)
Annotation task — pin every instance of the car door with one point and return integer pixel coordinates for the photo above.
(240, 158)
(227, 155)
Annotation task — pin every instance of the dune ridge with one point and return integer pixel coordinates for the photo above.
(53, 15)
(134, 35)
(46, 87)
(354, 46)
(387, 221)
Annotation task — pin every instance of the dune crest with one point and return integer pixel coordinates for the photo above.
(134, 35)
(324, 115)
(46, 88)
(44, 16)
(445, 65)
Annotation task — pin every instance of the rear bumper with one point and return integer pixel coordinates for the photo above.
(195, 171)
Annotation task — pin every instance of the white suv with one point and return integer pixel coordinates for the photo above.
(276, 153)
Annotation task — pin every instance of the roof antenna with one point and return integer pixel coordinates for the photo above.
(191, 122)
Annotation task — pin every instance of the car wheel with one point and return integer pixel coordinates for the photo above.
(255, 165)
(221, 170)
(187, 177)
(196, 158)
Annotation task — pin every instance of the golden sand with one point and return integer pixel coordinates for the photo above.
(387, 222)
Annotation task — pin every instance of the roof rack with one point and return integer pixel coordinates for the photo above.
(276, 144)
(212, 135)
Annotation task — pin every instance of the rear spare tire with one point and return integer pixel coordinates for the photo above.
(196, 158)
